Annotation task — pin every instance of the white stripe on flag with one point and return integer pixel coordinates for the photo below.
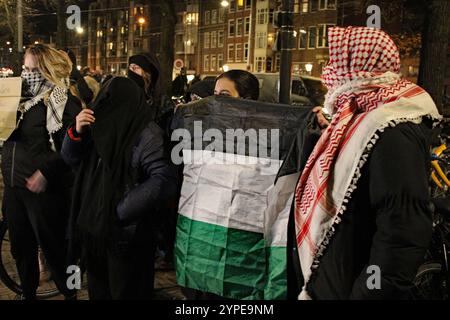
(279, 206)
(226, 189)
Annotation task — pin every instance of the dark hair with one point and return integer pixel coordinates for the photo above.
(247, 85)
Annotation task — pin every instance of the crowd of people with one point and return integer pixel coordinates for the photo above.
(89, 180)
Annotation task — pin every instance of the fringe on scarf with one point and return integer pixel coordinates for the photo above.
(352, 187)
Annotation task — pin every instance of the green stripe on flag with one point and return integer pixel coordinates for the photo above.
(276, 287)
(228, 262)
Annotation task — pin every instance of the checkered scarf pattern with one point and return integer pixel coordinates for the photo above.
(362, 76)
(55, 98)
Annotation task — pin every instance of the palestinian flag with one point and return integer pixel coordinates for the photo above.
(235, 201)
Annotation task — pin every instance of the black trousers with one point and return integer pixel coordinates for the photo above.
(37, 220)
(127, 275)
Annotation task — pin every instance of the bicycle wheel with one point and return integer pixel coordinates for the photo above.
(430, 283)
(8, 271)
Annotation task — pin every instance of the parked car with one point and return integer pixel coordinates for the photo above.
(305, 90)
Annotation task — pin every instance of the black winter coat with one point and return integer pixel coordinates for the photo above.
(387, 224)
(28, 148)
(157, 177)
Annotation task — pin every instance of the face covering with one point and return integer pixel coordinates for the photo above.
(35, 81)
(136, 78)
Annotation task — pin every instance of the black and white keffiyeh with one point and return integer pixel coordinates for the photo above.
(55, 98)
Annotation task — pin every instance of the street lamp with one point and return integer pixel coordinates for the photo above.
(225, 68)
(141, 22)
(80, 32)
(224, 3)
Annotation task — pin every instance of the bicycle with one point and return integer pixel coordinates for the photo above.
(8, 271)
(432, 280)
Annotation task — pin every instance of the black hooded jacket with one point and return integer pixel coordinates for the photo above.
(124, 173)
(150, 64)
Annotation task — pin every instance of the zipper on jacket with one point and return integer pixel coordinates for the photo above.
(12, 165)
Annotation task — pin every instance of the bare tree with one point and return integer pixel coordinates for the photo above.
(61, 36)
(169, 20)
(435, 38)
(8, 30)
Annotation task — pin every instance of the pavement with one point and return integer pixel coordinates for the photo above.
(166, 288)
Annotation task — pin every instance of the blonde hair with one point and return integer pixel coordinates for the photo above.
(147, 81)
(55, 65)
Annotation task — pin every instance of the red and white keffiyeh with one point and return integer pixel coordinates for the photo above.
(365, 95)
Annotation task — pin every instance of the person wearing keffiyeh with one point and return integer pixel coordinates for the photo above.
(362, 203)
(37, 181)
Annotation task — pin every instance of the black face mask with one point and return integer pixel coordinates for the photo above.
(137, 78)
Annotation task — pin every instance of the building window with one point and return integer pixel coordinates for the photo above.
(213, 39)
(303, 36)
(231, 28)
(207, 17)
(239, 27)
(220, 39)
(327, 4)
(261, 40)
(271, 13)
(213, 16)
(296, 6)
(219, 61)
(213, 63)
(206, 63)
(313, 5)
(238, 52)
(312, 32)
(239, 5)
(191, 18)
(221, 15)
(248, 4)
(305, 6)
(179, 44)
(262, 16)
(322, 64)
(322, 4)
(260, 64)
(322, 39)
(230, 52)
(269, 64)
(246, 51)
(247, 26)
(206, 40)
(277, 62)
(232, 6)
